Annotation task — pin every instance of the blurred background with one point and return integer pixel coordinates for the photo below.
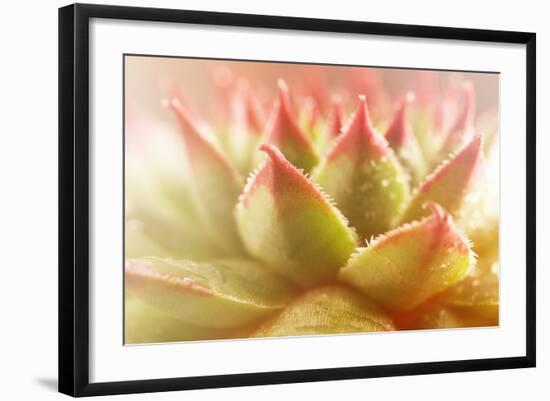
(148, 80)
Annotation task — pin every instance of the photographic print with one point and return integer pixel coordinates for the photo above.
(273, 199)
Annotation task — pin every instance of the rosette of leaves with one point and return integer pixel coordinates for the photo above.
(292, 221)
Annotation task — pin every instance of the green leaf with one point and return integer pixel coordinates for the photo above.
(245, 125)
(477, 294)
(402, 140)
(286, 222)
(472, 302)
(309, 116)
(479, 214)
(284, 131)
(138, 243)
(144, 323)
(404, 267)
(159, 204)
(363, 176)
(335, 123)
(427, 135)
(220, 294)
(214, 182)
(463, 129)
(450, 183)
(327, 310)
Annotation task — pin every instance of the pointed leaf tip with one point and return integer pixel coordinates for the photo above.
(193, 132)
(335, 122)
(364, 177)
(308, 115)
(403, 141)
(176, 94)
(468, 109)
(464, 127)
(245, 124)
(449, 184)
(255, 114)
(215, 182)
(286, 222)
(282, 87)
(284, 131)
(408, 265)
(400, 131)
(360, 138)
(245, 108)
(274, 153)
(279, 176)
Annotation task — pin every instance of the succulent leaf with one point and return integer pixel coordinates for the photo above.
(308, 116)
(472, 302)
(477, 293)
(327, 310)
(335, 120)
(479, 213)
(246, 123)
(161, 217)
(427, 137)
(208, 257)
(404, 267)
(284, 132)
(449, 184)
(463, 129)
(255, 113)
(144, 323)
(159, 205)
(286, 222)
(327, 130)
(364, 177)
(139, 243)
(219, 294)
(402, 140)
(215, 183)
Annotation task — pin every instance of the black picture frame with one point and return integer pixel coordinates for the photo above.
(74, 198)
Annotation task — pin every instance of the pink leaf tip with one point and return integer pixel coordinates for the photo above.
(280, 176)
(465, 163)
(400, 131)
(274, 154)
(335, 122)
(284, 131)
(464, 128)
(360, 138)
(286, 221)
(450, 182)
(200, 148)
(405, 267)
(436, 210)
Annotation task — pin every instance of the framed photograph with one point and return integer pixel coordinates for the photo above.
(251, 199)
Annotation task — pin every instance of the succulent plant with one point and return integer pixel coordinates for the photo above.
(341, 226)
